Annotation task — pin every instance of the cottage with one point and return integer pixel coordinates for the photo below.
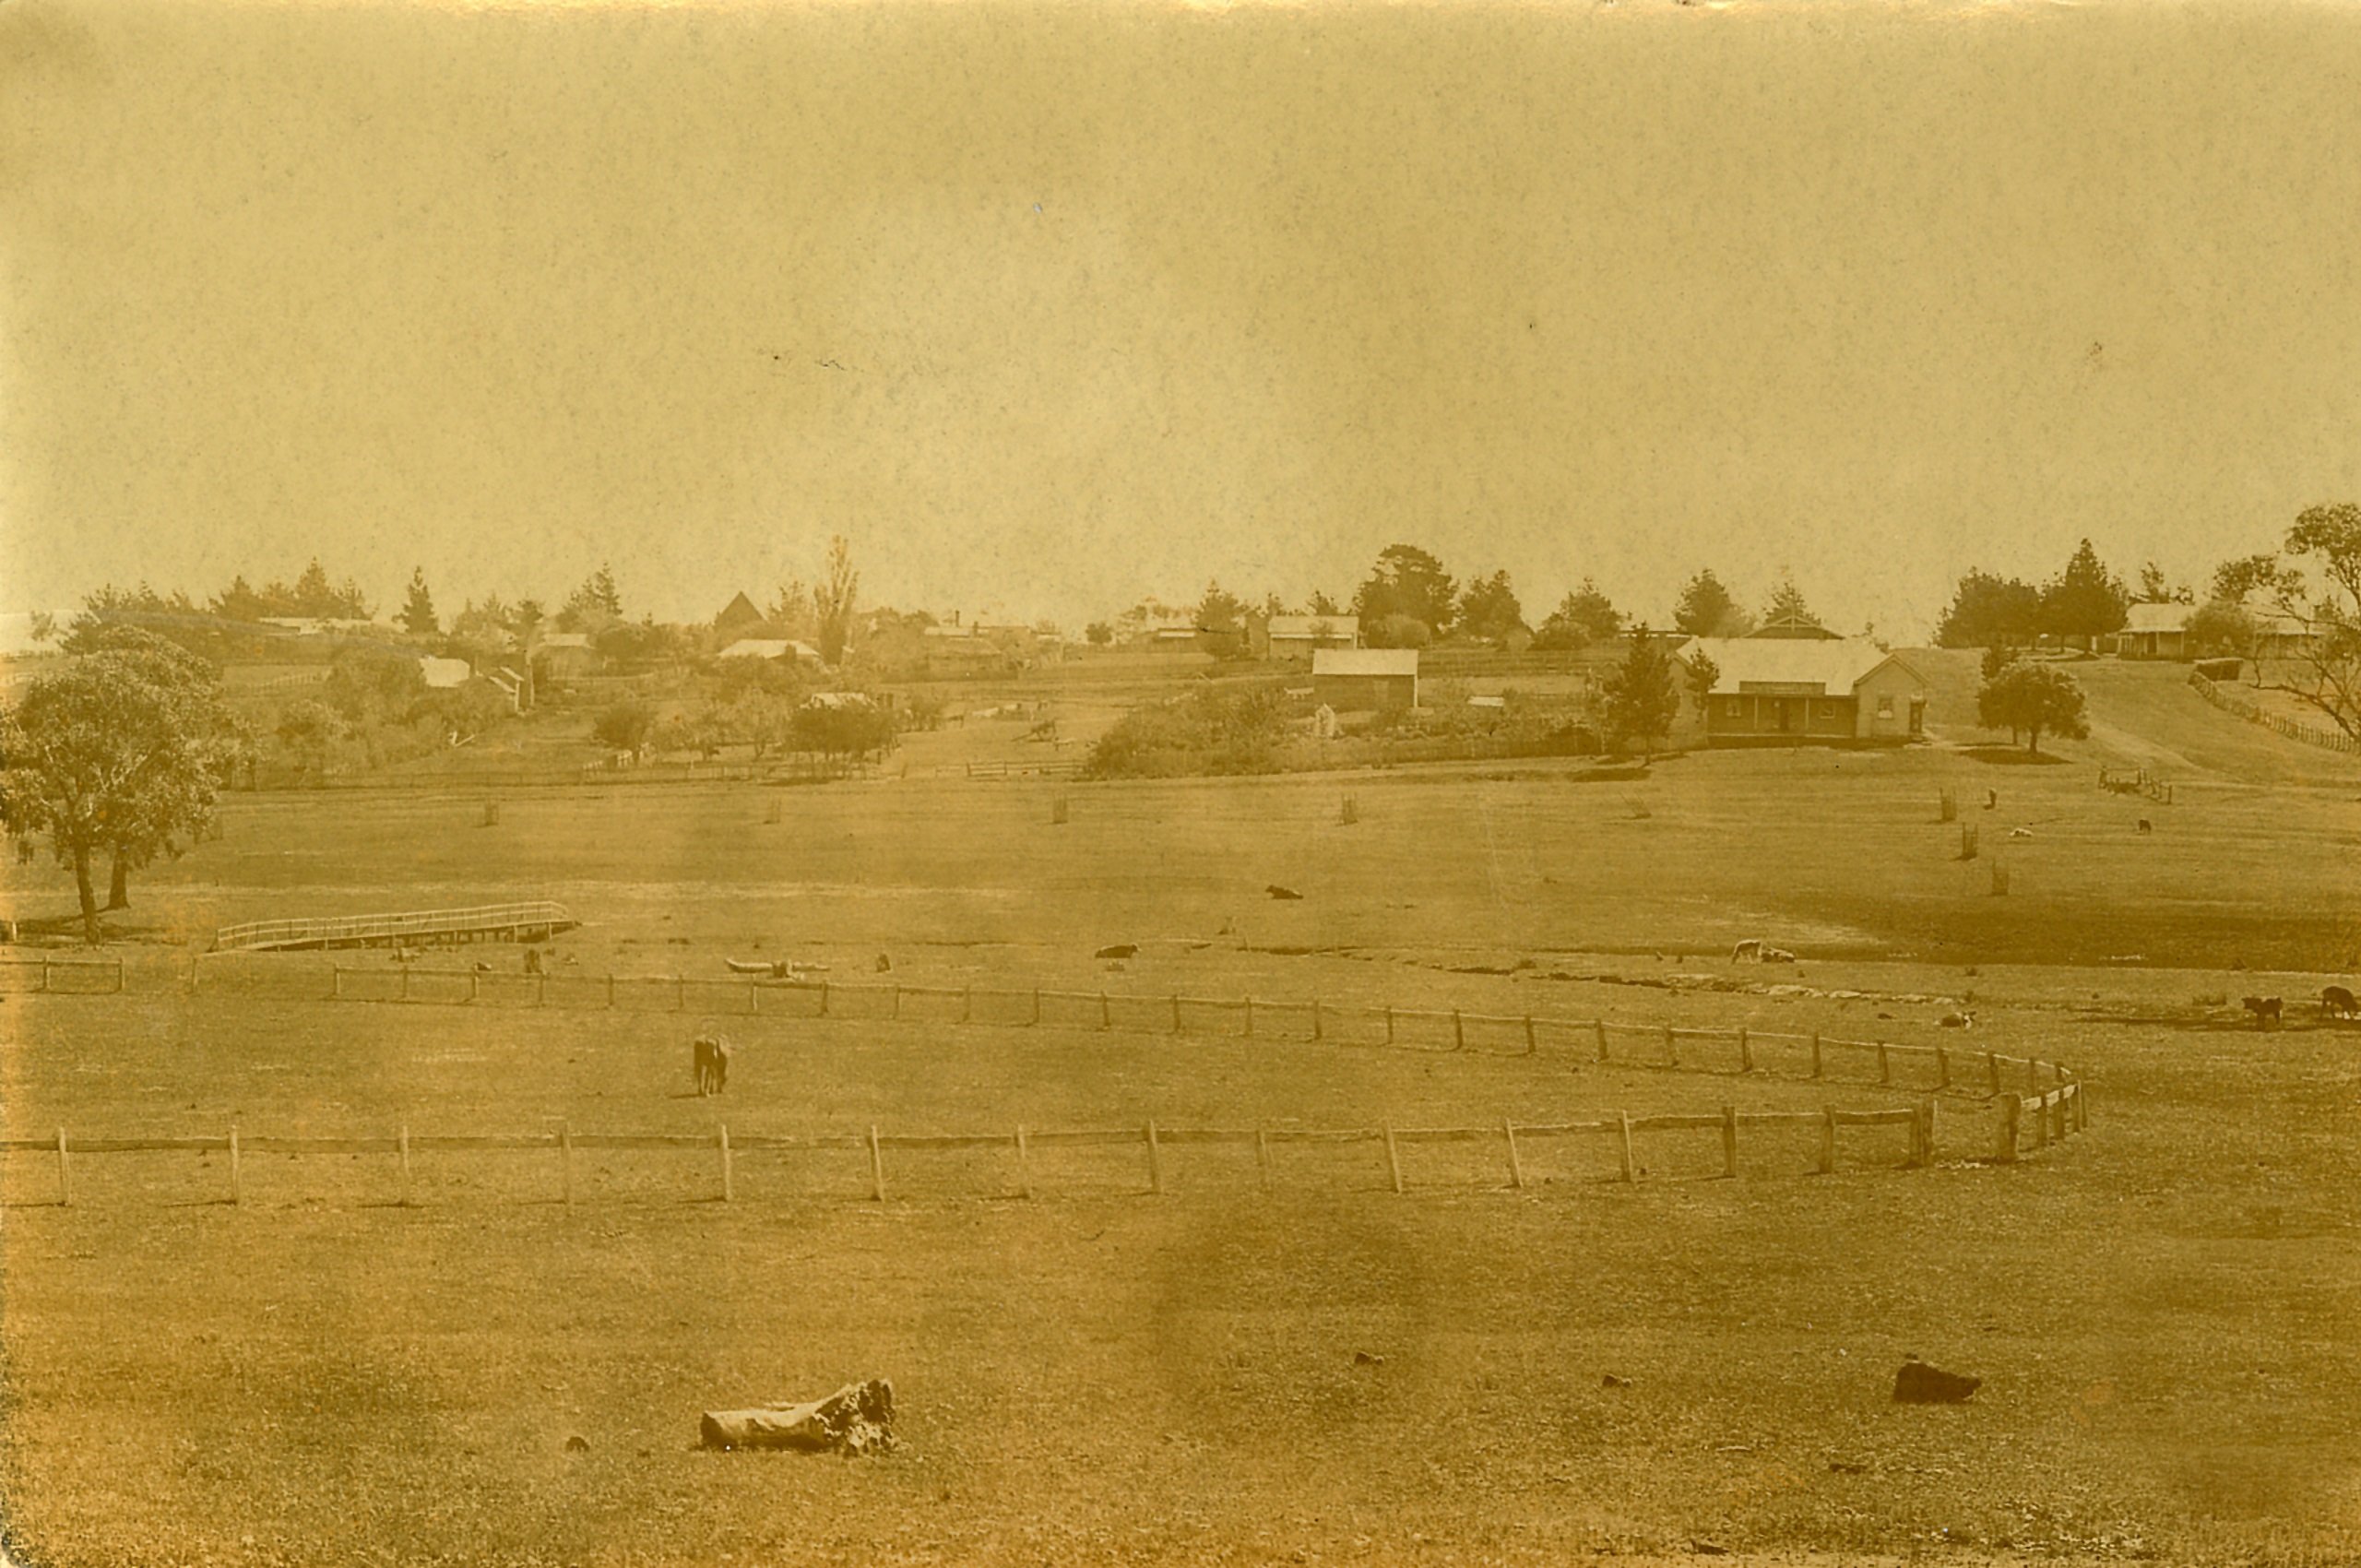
(1794, 691)
(772, 648)
(2154, 631)
(1366, 680)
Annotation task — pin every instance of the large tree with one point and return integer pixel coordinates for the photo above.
(832, 600)
(2317, 590)
(2031, 698)
(120, 753)
(2085, 600)
(1641, 699)
(1488, 609)
(1787, 603)
(1990, 612)
(1582, 617)
(1406, 583)
(594, 606)
(1707, 610)
(1221, 622)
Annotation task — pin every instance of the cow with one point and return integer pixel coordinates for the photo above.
(709, 1062)
(2147, 826)
(1962, 1019)
(2264, 1009)
(2337, 1002)
(1747, 952)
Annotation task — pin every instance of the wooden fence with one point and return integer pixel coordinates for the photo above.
(2053, 1114)
(2328, 740)
(537, 916)
(2135, 781)
(79, 977)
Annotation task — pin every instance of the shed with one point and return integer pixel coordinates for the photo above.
(1366, 680)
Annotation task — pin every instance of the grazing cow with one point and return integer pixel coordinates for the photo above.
(1747, 952)
(2337, 1002)
(2147, 826)
(709, 1059)
(2264, 1009)
(1959, 1020)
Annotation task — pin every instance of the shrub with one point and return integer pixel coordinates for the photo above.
(1208, 731)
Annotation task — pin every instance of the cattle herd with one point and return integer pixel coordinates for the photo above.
(2336, 1001)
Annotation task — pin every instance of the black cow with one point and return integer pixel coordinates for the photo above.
(2337, 1002)
(2264, 1009)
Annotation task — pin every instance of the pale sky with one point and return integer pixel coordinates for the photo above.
(1049, 307)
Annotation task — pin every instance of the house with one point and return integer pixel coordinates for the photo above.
(738, 617)
(566, 655)
(1806, 691)
(1366, 680)
(772, 648)
(1300, 637)
(2154, 631)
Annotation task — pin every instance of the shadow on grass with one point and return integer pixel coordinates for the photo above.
(2011, 756)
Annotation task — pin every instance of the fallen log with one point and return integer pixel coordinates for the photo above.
(856, 1419)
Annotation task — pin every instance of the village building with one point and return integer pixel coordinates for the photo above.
(1300, 637)
(1798, 627)
(1808, 691)
(772, 648)
(1366, 680)
(2154, 631)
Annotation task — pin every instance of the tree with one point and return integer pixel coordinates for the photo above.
(307, 728)
(831, 602)
(2155, 588)
(1706, 609)
(122, 753)
(1990, 612)
(2220, 629)
(2322, 669)
(1702, 675)
(1787, 603)
(2033, 698)
(1489, 610)
(594, 606)
(418, 611)
(849, 727)
(624, 726)
(1406, 581)
(2084, 601)
(1582, 618)
(41, 626)
(1323, 604)
(1099, 633)
(1641, 701)
(1221, 622)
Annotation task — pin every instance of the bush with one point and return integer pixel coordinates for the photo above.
(1210, 731)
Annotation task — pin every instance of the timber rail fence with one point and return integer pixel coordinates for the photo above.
(2327, 739)
(2033, 1101)
(536, 918)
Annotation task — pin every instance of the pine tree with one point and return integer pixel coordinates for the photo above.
(418, 614)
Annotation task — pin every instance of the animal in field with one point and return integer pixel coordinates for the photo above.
(2337, 1002)
(2147, 826)
(1747, 952)
(1777, 956)
(2021, 833)
(1962, 1019)
(2265, 1009)
(709, 1062)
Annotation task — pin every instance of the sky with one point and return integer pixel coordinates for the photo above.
(1049, 307)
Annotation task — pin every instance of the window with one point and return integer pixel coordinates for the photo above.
(1885, 707)
(1729, 707)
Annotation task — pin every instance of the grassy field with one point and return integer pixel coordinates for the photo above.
(2167, 1312)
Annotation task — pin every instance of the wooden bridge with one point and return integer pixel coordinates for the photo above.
(490, 923)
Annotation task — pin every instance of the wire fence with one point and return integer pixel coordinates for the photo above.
(1022, 1155)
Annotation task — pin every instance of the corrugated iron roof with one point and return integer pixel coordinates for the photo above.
(1739, 662)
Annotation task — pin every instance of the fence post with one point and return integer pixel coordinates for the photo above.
(1729, 1140)
(1745, 1052)
(1885, 1067)
(472, 977)
(1389, 1023)
(2033, 1073)
(336, 982)
(1671, 1046)
(1942, 1068)
(1262, 1159)
(64, 1174)
(2012, 1107)
(44, 971)
(237, 1186)
(728, 1191)
(1154, 1162)
(1992, 1070)
(680, 995)
(1531, 1045)
(876, 1167)
(1023, 1164)
(1250, 1018)
(1623, 1123)
(1600, 1025)
(897, 1001)
(1827, 1139)
(754, 998)
(611, 985)
(1458, 1031)
(566, 1158)
(1815, 1053)
(1393, 1158)
(1317, 1032)
(2082, 1108)
(403, 1142)
(1106, 1013)
(2041, 1122)
(1516, 1169)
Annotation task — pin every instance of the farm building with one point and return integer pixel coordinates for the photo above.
(1793, 690)
(1300, 637)
(1366, 680)
(772, 648)
(2155, 631)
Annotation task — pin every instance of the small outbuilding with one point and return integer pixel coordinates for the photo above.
(2154, 631)
(1366, 680)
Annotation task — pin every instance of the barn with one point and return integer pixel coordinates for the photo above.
(1808, 692)
(1366, 680)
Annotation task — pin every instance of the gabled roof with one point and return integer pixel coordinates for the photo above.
(1796, 626)
(1831, 668)
(770, 648)
(2146, 619)
(1365, 661)
(739, 612)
